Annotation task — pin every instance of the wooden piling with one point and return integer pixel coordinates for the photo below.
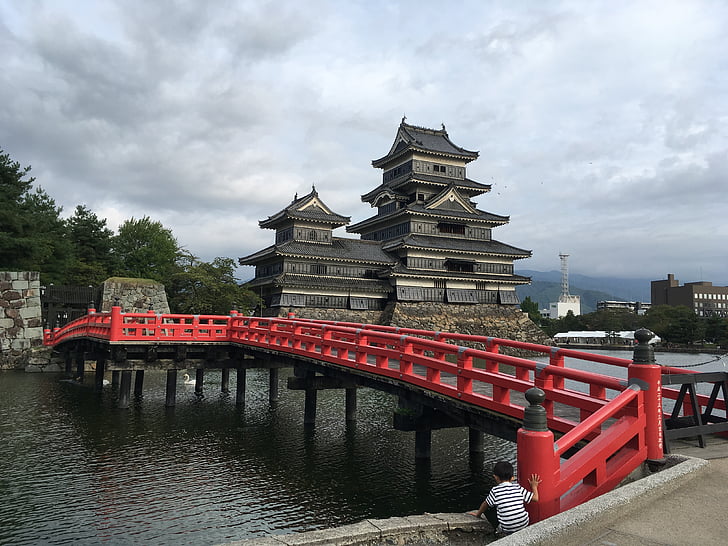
(351, 404)
(138, 382)
(125, 389)
(423, 443)
(99, 376)
(171, 388)
(80, 366)
(240, 387)
(309, 411)
(476, 441)
(199, 378)
(225, 381)
(273, 385)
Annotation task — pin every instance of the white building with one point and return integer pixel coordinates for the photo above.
(560, 308)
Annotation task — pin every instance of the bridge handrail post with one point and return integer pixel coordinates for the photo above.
(116, 324)
(645, 372)
(535, 453)
(556, 358)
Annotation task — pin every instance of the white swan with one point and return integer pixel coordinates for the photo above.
(187, 380)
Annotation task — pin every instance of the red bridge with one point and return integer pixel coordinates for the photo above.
(606, 427)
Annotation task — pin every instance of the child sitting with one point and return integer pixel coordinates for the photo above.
(504, 506)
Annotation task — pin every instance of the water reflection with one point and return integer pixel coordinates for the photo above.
(76, 469)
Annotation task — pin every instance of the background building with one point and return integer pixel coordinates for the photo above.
(637, 307)
(702, 297)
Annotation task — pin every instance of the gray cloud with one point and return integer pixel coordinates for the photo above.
(601, 126)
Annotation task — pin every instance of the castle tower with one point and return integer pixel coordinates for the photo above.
(426, 219)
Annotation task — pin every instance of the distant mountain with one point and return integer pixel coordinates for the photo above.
(546, 288)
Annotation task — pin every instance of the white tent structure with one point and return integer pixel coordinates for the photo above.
(598, 337)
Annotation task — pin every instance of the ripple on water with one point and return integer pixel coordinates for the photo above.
(77, 470)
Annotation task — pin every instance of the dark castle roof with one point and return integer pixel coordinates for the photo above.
(340, 249)
(402, 271)
(413, 138)
(297, 280)
(471, 187)
(309, 207)
(458, 245)
(420, 209)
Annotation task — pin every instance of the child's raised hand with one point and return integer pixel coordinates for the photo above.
(534, 480)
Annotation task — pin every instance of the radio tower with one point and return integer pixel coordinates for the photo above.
(565, 296)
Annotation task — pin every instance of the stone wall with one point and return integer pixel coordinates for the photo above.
(483, 319)
(342, 315)
(21, 323)
(479, 319)
(135, 295)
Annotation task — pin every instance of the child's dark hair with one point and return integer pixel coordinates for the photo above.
(504, 470)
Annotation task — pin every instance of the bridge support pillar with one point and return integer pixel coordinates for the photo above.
(309, 411)
(199, 379)
(423, 443)
(99, 376)
(351, 404)
(225, 381)
(273, 385)
(475, 441)
(171, 388)
(80, 366)
(240, 387)
(69, 365)
(115, 376)
(125, 389)
(138, 382)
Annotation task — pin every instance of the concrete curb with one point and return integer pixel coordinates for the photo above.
(604, 510)
(427, 528)
(464, 529)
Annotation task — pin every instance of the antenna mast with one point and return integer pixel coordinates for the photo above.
(565, 296)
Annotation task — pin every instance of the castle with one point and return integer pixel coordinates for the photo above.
(427, 243)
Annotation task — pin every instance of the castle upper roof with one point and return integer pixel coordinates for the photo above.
(309, 207)
(434, 141)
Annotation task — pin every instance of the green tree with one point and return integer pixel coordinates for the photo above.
(210, 288)
(33, 236)
(716, 330)
(531, 307)
(146, 249)
(92, 242)
(611, 320)
(675, 324)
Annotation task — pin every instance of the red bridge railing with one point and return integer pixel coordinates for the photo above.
(618, 422)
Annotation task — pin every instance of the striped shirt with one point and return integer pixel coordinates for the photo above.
(508, 499)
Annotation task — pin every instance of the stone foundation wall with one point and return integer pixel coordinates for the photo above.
(478, 319)
(343, 315)
(21, 323)
(483, 319)
(135, 295)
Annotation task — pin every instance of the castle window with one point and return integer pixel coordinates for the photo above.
(445, 227)
(318, 269)
(463, 266)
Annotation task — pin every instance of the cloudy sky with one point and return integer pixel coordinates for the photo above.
(602, 126)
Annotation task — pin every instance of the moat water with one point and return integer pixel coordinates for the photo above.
(74, 469)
